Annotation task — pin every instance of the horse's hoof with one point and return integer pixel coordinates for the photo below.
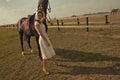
(31, 50)
(22, 53)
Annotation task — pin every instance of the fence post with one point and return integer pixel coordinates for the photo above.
(87, 23)
(78, 21)
(106, 19)
(58, 25)
(62, 22)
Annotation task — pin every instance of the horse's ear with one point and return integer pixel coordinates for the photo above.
(29, 16)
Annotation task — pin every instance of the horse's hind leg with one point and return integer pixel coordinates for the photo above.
(28, 41)
(21, 41)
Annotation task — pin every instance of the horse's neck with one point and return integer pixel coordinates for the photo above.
(44, 4)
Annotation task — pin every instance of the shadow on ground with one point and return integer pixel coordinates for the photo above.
(71, 55)
(77, 70)
(78, 56)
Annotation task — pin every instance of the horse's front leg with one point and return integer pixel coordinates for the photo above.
(37, 40)
(21, 41)
(29, 44)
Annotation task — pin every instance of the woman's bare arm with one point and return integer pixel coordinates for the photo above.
(37, 27)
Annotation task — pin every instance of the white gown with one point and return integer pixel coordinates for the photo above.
(46, 51)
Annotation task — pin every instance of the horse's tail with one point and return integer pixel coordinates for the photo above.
(18, 24)
(20, 27)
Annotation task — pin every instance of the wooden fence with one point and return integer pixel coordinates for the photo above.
(82, 20)
(88, 20)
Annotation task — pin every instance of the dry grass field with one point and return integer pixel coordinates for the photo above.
(93, 19)
(93, 55)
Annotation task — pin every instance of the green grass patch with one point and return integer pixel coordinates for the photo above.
(92, 55)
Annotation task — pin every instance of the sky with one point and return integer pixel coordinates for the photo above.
(12, 10)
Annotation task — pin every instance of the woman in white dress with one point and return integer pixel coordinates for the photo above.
(46, 47)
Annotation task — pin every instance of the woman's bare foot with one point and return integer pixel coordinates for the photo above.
(45, 71)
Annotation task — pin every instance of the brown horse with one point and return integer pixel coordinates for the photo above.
(26, 28)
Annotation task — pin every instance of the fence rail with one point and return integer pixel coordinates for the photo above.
(88, 20)
(84, 20)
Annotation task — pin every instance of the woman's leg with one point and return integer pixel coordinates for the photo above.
(44, 67)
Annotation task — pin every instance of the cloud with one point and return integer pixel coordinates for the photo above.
(8, 0)
(10, 16)
(79, 8)
(12, 10)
